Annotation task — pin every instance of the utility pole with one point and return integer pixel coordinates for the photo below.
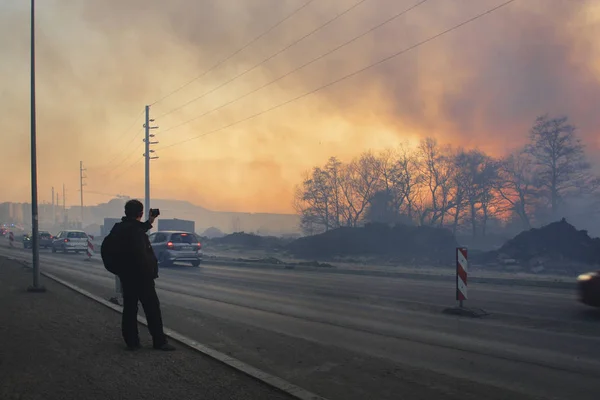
(35, 242)
(64, 213)
(53, 209)
(147, 157)
(81, 185)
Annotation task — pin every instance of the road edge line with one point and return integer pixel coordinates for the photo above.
(255, 373)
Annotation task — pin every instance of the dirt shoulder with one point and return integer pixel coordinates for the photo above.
(61, 345)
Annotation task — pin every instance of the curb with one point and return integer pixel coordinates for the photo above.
(264, 377)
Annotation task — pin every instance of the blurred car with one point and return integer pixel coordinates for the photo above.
(26, 241)
(70, 240)
(45, 240)
(175, 246)
(589, 288)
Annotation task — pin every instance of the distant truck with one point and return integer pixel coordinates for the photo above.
(175, 224)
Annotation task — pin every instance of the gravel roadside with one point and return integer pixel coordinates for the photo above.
(61, 345)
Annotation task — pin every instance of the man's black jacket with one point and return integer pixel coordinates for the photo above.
(139, 261)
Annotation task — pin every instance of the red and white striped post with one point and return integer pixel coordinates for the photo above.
(462, 268)
(90, 248)
(11, 239)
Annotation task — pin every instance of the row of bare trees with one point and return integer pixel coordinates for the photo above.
(463, 190)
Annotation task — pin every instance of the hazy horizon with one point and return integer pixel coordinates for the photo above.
(99, 63)
(75, 205)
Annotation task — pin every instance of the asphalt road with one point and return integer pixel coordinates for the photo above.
(90, 362)
(357, 337)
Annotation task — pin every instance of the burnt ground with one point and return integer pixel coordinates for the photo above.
(61, 345)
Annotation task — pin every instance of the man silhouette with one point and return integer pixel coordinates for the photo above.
(139, 269)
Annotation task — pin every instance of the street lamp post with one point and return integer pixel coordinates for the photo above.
(35, 243)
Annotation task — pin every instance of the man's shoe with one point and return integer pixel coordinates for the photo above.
(165, 347)
(134, 347)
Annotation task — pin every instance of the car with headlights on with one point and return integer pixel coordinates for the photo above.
(26, 240)
(45, 240)
(588, 286)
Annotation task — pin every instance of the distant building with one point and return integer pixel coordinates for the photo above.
(108, 225)
(5, 215)
(20, 213)
(176, 225)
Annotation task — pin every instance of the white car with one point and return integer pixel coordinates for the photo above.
(71, 240)
(171, 247)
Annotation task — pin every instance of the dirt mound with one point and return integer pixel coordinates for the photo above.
(213, 233)
(558, 241)
(401, 243)
(250, 240)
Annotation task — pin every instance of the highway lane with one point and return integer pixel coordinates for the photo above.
(500, 300)
(535, 307)
(315, 329)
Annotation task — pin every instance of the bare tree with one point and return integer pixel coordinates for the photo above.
(319, 199)
(477, 175)
(437, 186)
(309, 220)
(448, 171)
(460, 187)
(381, 209)
(516, 185)
(392, 202)
(487, 181)
(358, 185)
(560, 160)
(334, 169)
(435, 179)
(313, 201)
(408, 171)
(383, 205)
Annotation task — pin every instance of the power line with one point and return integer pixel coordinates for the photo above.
(125, 159)
(383, 60)
(121, 153)
(355, 38)
(121, 174)
(268, 58)
(133, 137)
(306, 4)
(82, 176)
(123, 135)
(128, 168)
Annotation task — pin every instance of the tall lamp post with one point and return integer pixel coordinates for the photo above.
(35, 243)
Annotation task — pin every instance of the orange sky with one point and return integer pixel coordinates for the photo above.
(100, 62)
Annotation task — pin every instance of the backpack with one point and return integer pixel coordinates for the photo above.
(111, 252)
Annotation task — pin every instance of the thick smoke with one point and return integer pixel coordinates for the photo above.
(100, 62)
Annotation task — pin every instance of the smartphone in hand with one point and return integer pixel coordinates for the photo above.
(154, 212)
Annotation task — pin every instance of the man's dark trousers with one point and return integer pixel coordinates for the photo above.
(144, 291)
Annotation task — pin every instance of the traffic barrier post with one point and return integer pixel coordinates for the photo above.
(462, 269)
(90, 248)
